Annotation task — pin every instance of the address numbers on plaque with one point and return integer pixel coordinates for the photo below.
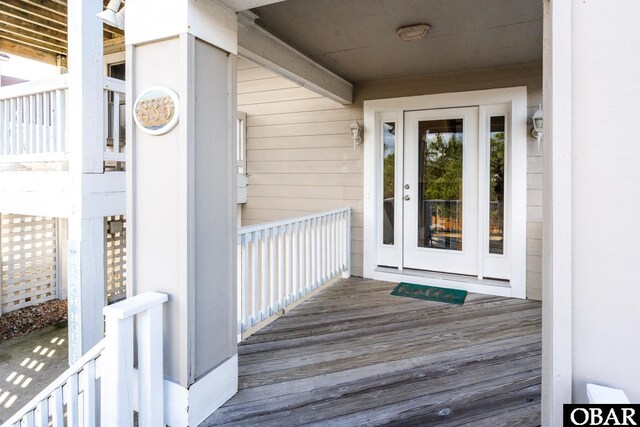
(156, 110)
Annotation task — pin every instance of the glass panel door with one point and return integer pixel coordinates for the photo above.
(440, 162)
(441, 190)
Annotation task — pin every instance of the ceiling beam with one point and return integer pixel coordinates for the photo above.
(265, 49)
(28, 27)
(12, 11)
(36, 14)
(30, 52)
(114, 45)
(38, 41)
(240, 5)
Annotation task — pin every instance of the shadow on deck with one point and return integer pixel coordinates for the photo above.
(355, 355)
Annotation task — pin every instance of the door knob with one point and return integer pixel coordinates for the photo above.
(407, 197)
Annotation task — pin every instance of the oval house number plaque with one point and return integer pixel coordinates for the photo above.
(156, 110)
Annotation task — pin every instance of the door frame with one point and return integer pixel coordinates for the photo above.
(374, 110)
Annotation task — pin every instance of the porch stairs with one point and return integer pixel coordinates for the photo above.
(76, 397)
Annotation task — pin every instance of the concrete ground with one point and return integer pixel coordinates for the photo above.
(28, 364)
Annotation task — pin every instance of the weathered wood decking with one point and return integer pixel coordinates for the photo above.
(355, 355)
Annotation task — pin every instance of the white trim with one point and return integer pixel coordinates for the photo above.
(494, 265)
(453, 281)
(240, 5)
(390, 255)
(150, 20)
(189, 407)
(557, 279)
(516, 97)
(265, 49)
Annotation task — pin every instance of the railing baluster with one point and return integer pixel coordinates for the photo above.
(295, 261)
(318, 261)
(115, 132)
(45, 123)
(32, 124)
(287, 260)
(42, 413)
(60, 123)
(52, 127)
(302, 284)
(245, 283)
(38, 124)
(3, 128)
(307, 256)
(12, 124)
(281, 261)
(105, 119)
(72, 400)
(273, 301)
(264, 276)
(254, 278)
(57, 412)
(89, 394)
(19, 122)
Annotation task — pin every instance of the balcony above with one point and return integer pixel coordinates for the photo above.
(34, 132)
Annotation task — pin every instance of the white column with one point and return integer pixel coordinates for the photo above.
(86, 277)
(86, 291)
(181, 208)
(85, 86)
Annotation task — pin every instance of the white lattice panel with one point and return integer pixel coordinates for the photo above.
(29, 260)
(116, 252)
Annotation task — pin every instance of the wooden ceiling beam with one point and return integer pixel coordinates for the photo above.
(38, 40)
(28, 27)
(52, 7)
(41, 16)
(30, 52)
(114, 45)
(27, 42)
(18, 14)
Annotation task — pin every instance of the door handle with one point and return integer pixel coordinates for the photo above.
(407, 197)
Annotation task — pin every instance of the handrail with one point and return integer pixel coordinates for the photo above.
(287, 221)
(76, 368)
(116, 85)
(33, 87)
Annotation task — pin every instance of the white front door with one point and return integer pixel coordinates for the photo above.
(440, 191)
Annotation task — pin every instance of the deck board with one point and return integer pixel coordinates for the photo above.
(355, 355)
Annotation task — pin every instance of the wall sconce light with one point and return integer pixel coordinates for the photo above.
(111, 15)
(537, 120)
(354, 130)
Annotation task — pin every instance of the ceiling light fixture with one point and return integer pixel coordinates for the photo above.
(111, 15)
(413, 32)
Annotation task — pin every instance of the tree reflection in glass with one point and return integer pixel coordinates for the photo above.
(440, 184)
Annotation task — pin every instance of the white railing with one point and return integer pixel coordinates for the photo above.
(114, 119)
(281, 261)
(33, 124)
(77, 398)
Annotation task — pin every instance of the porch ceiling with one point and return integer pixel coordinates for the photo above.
(357, 39)
(37, 29)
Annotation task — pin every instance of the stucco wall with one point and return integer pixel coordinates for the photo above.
(301, 158)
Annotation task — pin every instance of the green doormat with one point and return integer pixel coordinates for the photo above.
(431, 293)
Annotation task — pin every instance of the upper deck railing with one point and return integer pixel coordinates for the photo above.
(34, 121)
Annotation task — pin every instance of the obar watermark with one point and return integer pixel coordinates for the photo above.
(601, 415)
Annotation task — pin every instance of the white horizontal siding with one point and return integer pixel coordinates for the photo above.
(300, 158)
